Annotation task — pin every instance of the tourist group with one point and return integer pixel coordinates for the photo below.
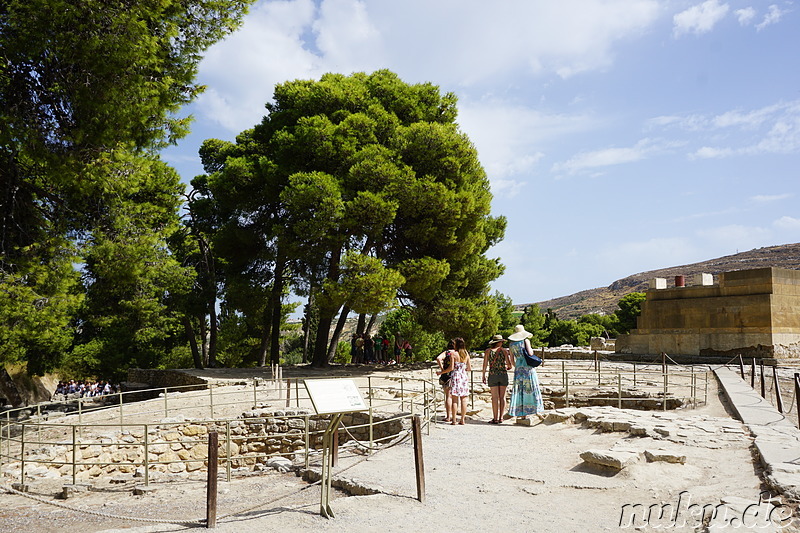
(454, 367)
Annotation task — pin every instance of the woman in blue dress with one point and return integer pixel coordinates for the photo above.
(526, 398)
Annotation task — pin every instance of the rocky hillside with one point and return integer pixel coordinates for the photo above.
(604, 299)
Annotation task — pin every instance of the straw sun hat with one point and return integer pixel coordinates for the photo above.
(519, 333)
(496, 339)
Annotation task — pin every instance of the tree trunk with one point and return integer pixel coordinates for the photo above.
(337, 333)
(371, 323)
(321, 342)
(277, 311)
(307, 322)
(263, 348)
(361, 323)
(204, 339)
(196, 356)
(212, 334)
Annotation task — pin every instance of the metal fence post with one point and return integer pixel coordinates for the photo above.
(74, 455)
(228, 450)
(307, 439)
(211, 399)
(402, 394)
(22, 456)
(255, 395)
(619, 389)
(146, 456)
(566, 388)
(166, 405)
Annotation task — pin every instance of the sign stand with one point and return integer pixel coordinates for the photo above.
(334, 397)
(327, 465)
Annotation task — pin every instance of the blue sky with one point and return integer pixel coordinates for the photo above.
(619, 135)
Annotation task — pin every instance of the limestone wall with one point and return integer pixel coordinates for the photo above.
(180, 446)
(755, 313)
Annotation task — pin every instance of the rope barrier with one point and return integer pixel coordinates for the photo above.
(399, 439)
(11, 490)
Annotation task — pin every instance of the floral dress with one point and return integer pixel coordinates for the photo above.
(459, 384)
(526, 398)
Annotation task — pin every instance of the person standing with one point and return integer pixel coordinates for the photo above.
(443, 360)
(498, 360)
(526, 397)
(459, 368)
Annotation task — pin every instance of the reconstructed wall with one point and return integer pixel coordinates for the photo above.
(755, 313)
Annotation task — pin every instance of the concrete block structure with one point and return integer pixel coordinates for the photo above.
(755, 313)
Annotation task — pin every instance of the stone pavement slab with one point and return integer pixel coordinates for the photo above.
(777, 440)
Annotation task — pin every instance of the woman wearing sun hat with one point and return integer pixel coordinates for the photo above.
(498, 360)
(526, 398)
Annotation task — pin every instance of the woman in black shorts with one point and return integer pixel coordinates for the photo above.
(443, 360)
(498, 360)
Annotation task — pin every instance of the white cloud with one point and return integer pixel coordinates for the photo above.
(707, 152)
(773, 16)
(244, 68)
(614, 156)
(700, 18)
(772, 129)
(764, 198)
(787, 223)
(511, 138)
(282, 40)
(745, 16)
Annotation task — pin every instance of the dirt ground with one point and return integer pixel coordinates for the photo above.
(478, 477)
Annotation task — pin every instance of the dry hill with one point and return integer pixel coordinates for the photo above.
(604, 299)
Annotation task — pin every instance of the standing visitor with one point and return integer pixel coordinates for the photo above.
(369, 348)
(385, 345)
(377, 342)
(398, 348)
(526, 398)
(459, 382)
(443, 360)
(407, 352)
(359, 358)
(498, 360)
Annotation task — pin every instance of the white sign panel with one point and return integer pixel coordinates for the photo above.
(334, 396)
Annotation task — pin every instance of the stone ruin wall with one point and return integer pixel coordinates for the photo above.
(254, 435)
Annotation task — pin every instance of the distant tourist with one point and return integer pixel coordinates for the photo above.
(443, 360)
(526, 398)
(498, 361)
(459, 383)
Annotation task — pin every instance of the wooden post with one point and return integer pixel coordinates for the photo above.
(778, 398)
(763, 392)
(741, 366)
(418, 460)
(595, 361)
(211, 487)
(753, 374)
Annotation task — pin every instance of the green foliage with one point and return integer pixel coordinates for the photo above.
(505, 311)
(424, 345)
(630, 307)
(361, 189)
(343, 356)
(535, 323)
(88, 92)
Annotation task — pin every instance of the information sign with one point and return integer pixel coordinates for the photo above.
(334, 396)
